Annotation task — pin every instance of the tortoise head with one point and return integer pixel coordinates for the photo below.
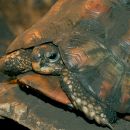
(46, 59)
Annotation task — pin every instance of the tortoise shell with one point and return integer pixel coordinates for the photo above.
(93, 40)
(43, 85)
(62, 18)
(93, 37)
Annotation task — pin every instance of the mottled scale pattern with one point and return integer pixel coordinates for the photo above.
(85, 101)
(16, 62)
(104, 81)
(125, 93)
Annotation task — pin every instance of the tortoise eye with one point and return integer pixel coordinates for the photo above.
(53, 56)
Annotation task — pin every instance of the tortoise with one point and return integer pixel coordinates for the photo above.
(86, 44)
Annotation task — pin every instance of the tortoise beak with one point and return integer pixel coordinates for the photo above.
(39, 63)
(42, 70)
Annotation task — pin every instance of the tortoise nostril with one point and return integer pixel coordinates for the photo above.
(37, 55)
(36, 58)
(42, 63)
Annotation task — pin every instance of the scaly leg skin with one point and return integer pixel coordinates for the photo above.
(16, 62)
(86, 102)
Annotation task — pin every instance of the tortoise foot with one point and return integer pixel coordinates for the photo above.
(86, 102)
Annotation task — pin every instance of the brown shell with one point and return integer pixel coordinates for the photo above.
(93, 37)
(62, 17)
(48, 86)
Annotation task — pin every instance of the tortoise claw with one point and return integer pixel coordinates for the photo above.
(109, 126)
(127, 118)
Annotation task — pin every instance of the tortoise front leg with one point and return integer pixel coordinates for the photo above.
(85, 101)
(16, 62)
(127, 117)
